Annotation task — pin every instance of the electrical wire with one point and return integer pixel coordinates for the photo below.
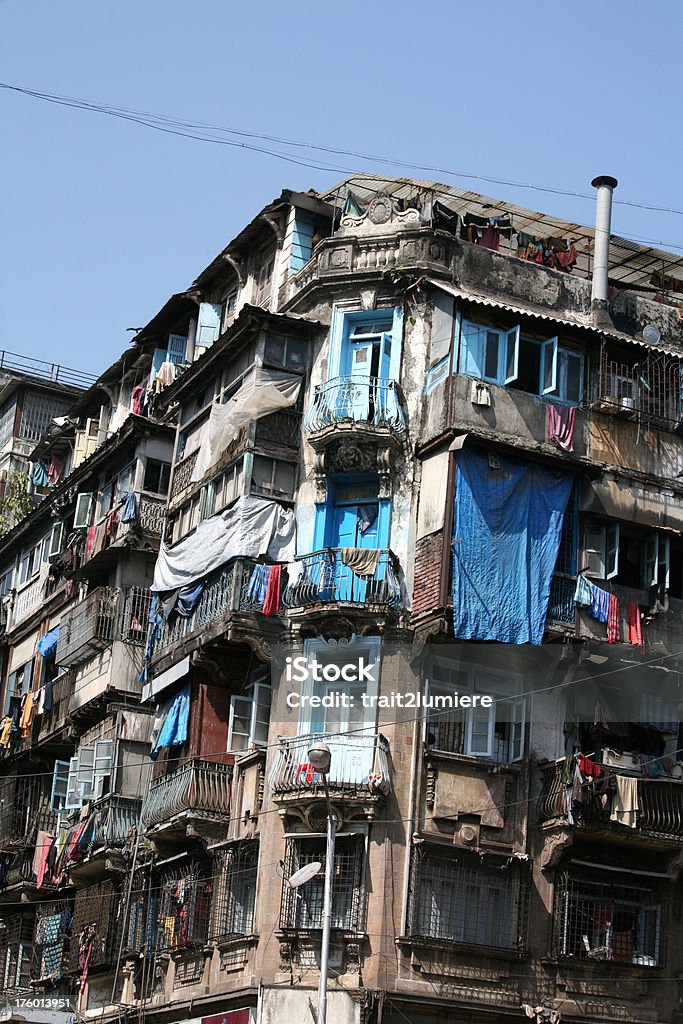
(186, 128)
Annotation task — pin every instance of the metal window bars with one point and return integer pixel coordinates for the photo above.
(235, 891)
(24, 809)
(38, 412)
(135, 615)
(96, 926)
(183, 907)
(598, 920)
(460, 900)
(647, 385)
(52, 939)
(16, 952)
(302, 908)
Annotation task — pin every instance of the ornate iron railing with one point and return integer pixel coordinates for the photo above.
(561, 604)
(360, 764)
(118, 816)
(202, 787)
(332, 575)
(89, 626)
(371, 401)
(660, 803)
(182, 473)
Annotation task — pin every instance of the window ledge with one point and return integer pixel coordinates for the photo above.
(600, 966)
(453, 946)
(234, 942)
(484, 764)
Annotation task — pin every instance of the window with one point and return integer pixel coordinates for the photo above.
(183, 907)
(60, 781)
(630, 557)
(89, 776)
(457, 898)
(264, 280)
(272, 477)
(538, 367)
(18, 683)
(209, 323)
(497, 732)
(16, 951)
(230, 308)
(250, 714)
(157, 476)
(303, 907)
(285, 353)
(236, 891)
(601, 550)
(83, 514)
(33, 559)
(605, 921)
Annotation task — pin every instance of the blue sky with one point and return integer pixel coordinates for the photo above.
(104, 219)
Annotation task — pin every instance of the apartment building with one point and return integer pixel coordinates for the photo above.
(401, 424)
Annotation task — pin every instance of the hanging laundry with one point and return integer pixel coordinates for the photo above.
(353, 206)
(599, 604)
(47, 645)
(55, 473)
(271, 604)
(187, 599)
(5, 731)
(165, 376)
(527, 247)
(635, 624)
(625, 806)
(613, 620)
(490, 239)
(129, 511)
(365, 517)
(584, 591)
(258, 584)
(40, 475)
(138, 398)
(361, 561)
(589, 768)
(174, 730)
(26, 720)
(43, 844)
(561, 426)
(566, 260)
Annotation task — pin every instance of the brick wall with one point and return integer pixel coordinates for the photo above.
(427, 586)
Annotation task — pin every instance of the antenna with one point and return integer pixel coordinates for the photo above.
(305, 874)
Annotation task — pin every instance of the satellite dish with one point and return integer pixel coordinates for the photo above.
(651, 334)
(305, 874)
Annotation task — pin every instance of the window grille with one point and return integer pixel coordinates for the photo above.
(135, 616)
(603, 921)
(302, 908)
(183, 907)
(459, 899)
(235, 897)
(96, 926)
(140, 926)
(16, 950)
(54, 922)
(37, 414)
(648, 385)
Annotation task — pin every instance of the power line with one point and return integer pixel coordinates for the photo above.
(191, 129)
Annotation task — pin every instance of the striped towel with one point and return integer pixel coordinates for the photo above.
(613, 621)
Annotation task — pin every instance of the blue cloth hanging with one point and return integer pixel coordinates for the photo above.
(599, 607)
(47, 645)
(506, 535)
(258, 584)
(129, 512)
(174, 730)
(187, 599)
(40, 475)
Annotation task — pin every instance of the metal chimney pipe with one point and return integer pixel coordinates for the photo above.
(603, 221)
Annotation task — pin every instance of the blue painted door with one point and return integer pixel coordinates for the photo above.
(350, 531)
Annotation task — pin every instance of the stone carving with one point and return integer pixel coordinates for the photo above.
(554, 847)
(380, 210)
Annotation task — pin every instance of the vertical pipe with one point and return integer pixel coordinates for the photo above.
(605, 185)
(327, 913)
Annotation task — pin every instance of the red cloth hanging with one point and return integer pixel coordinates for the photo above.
(635, 625)
(271, 604)
(613, 621)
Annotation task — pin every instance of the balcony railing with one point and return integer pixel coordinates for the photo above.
(12, 362)
(150, 518)
(89, 626)
(367, 401)
(660, 804)
(199, 787)
(561, 607)
(57, 717)
(182, 474)
(24, 809)
(328, 578)
(118, 816)
(360, 765)
(226, 590)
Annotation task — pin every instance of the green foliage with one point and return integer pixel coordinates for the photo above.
(16, 504)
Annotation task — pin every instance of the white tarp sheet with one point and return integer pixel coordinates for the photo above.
(252, 528)
(266, 391)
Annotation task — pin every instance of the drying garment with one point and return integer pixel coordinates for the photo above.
(138, 398)
(490, 239)
(264, 392)
(271, 604)
(584, 591)
(26, 720)
(5, 731)
(187, 600)
(561, 426)
(47, 645)
(625, 805)
(55, 473)
(566, 260)
(129, 510)
(635, 625)
(174, 730)
(362, 561)
(43, 847)
(589, 768)
(91, 541)
(353, 206)
(258, 584)
(165, 376)
(506, 536)
(613, 620)
(251, 528)
(366, 516)
(599, 608)
(40, 475)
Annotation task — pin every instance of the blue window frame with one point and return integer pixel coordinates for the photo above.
(366, 342)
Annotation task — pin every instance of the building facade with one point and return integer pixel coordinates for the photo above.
(396, 425)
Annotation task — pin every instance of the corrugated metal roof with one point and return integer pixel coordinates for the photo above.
(631, 263)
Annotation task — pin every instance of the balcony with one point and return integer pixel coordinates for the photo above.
(196, 790)
(150, 518)
(182, 474)
(117, 816)
(88, 627)
(359, 769)
(25, 809)
(57, 718)
(369, 404)
(326, 579)
(660, 814)
(561, 608)
(226, 592)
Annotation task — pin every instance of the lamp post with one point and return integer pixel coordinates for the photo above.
(320, 758)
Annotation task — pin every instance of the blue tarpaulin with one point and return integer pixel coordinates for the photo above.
(506, 536)
(174, 730)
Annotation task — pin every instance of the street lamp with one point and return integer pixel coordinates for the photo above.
(320, 759)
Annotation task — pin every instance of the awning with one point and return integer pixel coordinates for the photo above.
(632, 501)
(166, 679)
